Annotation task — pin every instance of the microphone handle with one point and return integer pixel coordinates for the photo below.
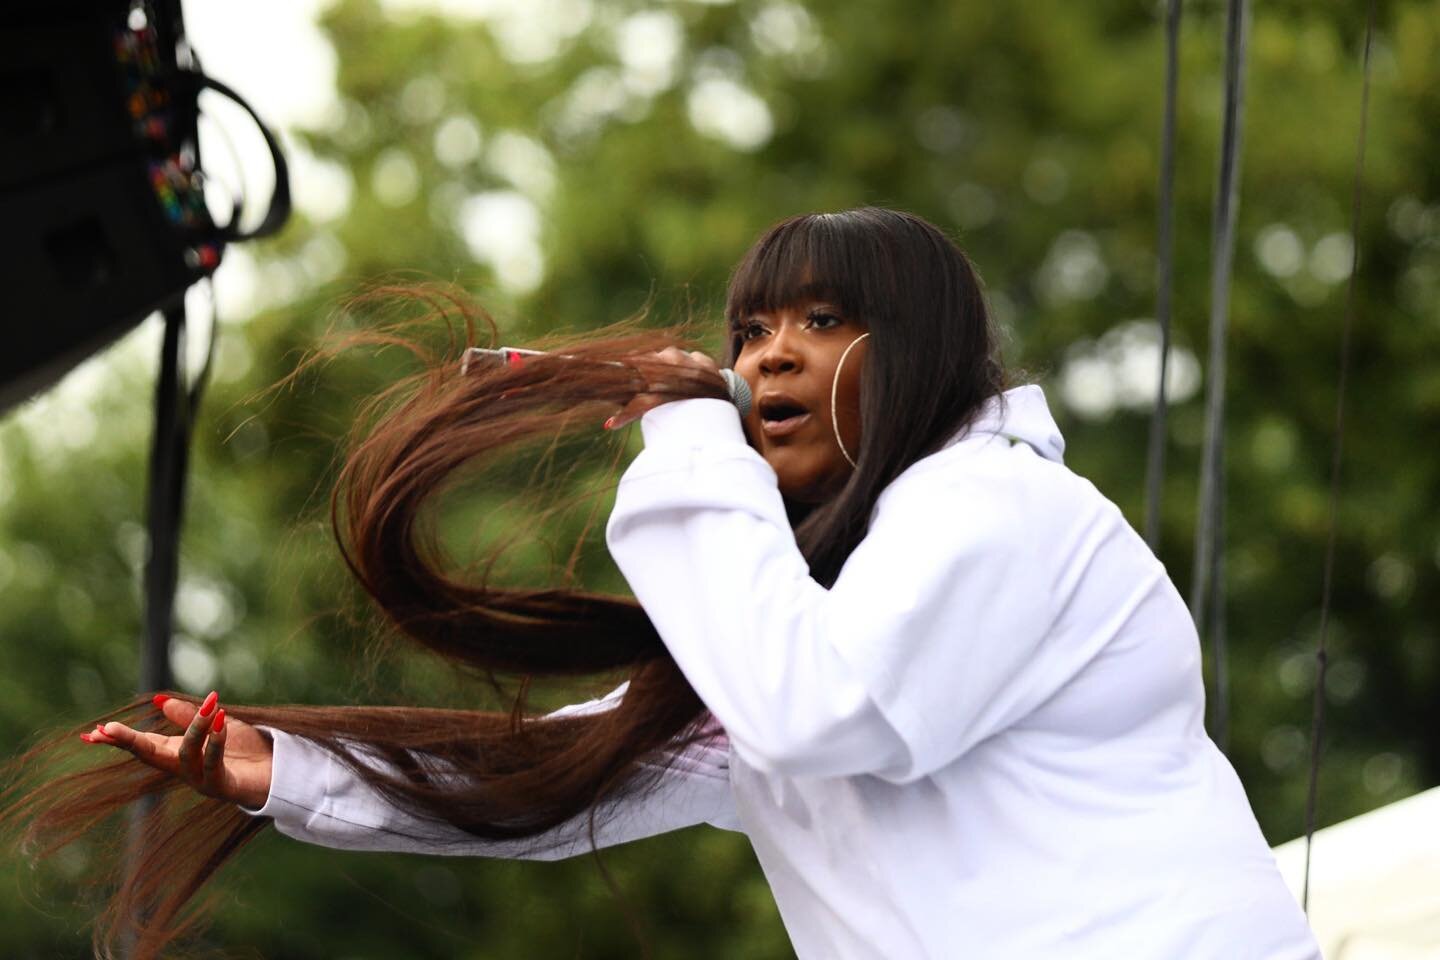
(735, 384)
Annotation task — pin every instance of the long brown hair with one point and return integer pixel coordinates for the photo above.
(514, 775)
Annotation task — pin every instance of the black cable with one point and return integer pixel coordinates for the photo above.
(177, 407)
(278, 211)
(202, 377)
(1209, 534)
(168, 459)
(1317, 717)
(1219, 719)
(236, 192)
(1164, 278)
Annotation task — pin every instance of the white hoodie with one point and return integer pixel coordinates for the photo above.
(984, 741)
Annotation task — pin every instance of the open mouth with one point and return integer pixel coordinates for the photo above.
(781, 417)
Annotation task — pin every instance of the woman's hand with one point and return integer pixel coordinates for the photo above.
(229, 760)
(688, 362)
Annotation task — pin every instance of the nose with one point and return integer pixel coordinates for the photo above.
(782, 352)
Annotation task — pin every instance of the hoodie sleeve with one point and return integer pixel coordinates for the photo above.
(925, 645)
(317, 799)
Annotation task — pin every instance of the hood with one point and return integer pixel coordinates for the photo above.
(1020, 414)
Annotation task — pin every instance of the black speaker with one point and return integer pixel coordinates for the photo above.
(102, 219)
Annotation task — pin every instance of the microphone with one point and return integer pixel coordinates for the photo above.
(739, 390)
(735, 384)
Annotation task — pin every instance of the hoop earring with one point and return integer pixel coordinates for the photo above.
(834, 387)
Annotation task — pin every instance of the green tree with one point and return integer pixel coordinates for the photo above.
(574, 168)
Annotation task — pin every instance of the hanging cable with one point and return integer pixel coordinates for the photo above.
(1219, 626)
(1205, 597)
(1317, 717)
(1164, 274)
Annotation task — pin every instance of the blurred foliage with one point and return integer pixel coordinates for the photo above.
(572, 163)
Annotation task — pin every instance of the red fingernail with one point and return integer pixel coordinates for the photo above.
(159, 699)
(219, 723)
(610, 424)
(88, 738)
(514, 360)
(209, 704)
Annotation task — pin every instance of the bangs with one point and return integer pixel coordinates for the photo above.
(805, 258)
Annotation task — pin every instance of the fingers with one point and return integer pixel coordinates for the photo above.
(192, 743)
(152, 749)
(177, 711)
(645, 402)
(634, 410)
(98, 735)
(197, 756)
(213, 766)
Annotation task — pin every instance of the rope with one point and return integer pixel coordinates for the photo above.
(1205, 598)
(1317, 719)
(1165, 271)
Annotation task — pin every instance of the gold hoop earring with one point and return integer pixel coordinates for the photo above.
(834, 387)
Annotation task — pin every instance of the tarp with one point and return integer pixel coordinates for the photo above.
(1374, 882)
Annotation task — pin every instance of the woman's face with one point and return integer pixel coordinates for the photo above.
(789, 357)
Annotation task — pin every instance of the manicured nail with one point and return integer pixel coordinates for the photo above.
(219, 723)
(514, 360)
(209, 704)
(159, 700)
(88, 738)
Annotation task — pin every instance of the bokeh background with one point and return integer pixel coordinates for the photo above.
(570, 163)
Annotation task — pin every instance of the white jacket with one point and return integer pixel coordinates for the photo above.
(984, 741)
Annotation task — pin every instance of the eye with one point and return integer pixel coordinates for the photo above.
(750, 330)
(823, 319)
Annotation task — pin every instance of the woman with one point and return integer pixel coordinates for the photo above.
(949, 695)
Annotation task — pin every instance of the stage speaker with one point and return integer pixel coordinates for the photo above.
(102, 217)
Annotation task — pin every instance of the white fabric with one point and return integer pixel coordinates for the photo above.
(317, 799)
(984, 741)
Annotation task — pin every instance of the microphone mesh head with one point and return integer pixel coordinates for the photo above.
(739, 391)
